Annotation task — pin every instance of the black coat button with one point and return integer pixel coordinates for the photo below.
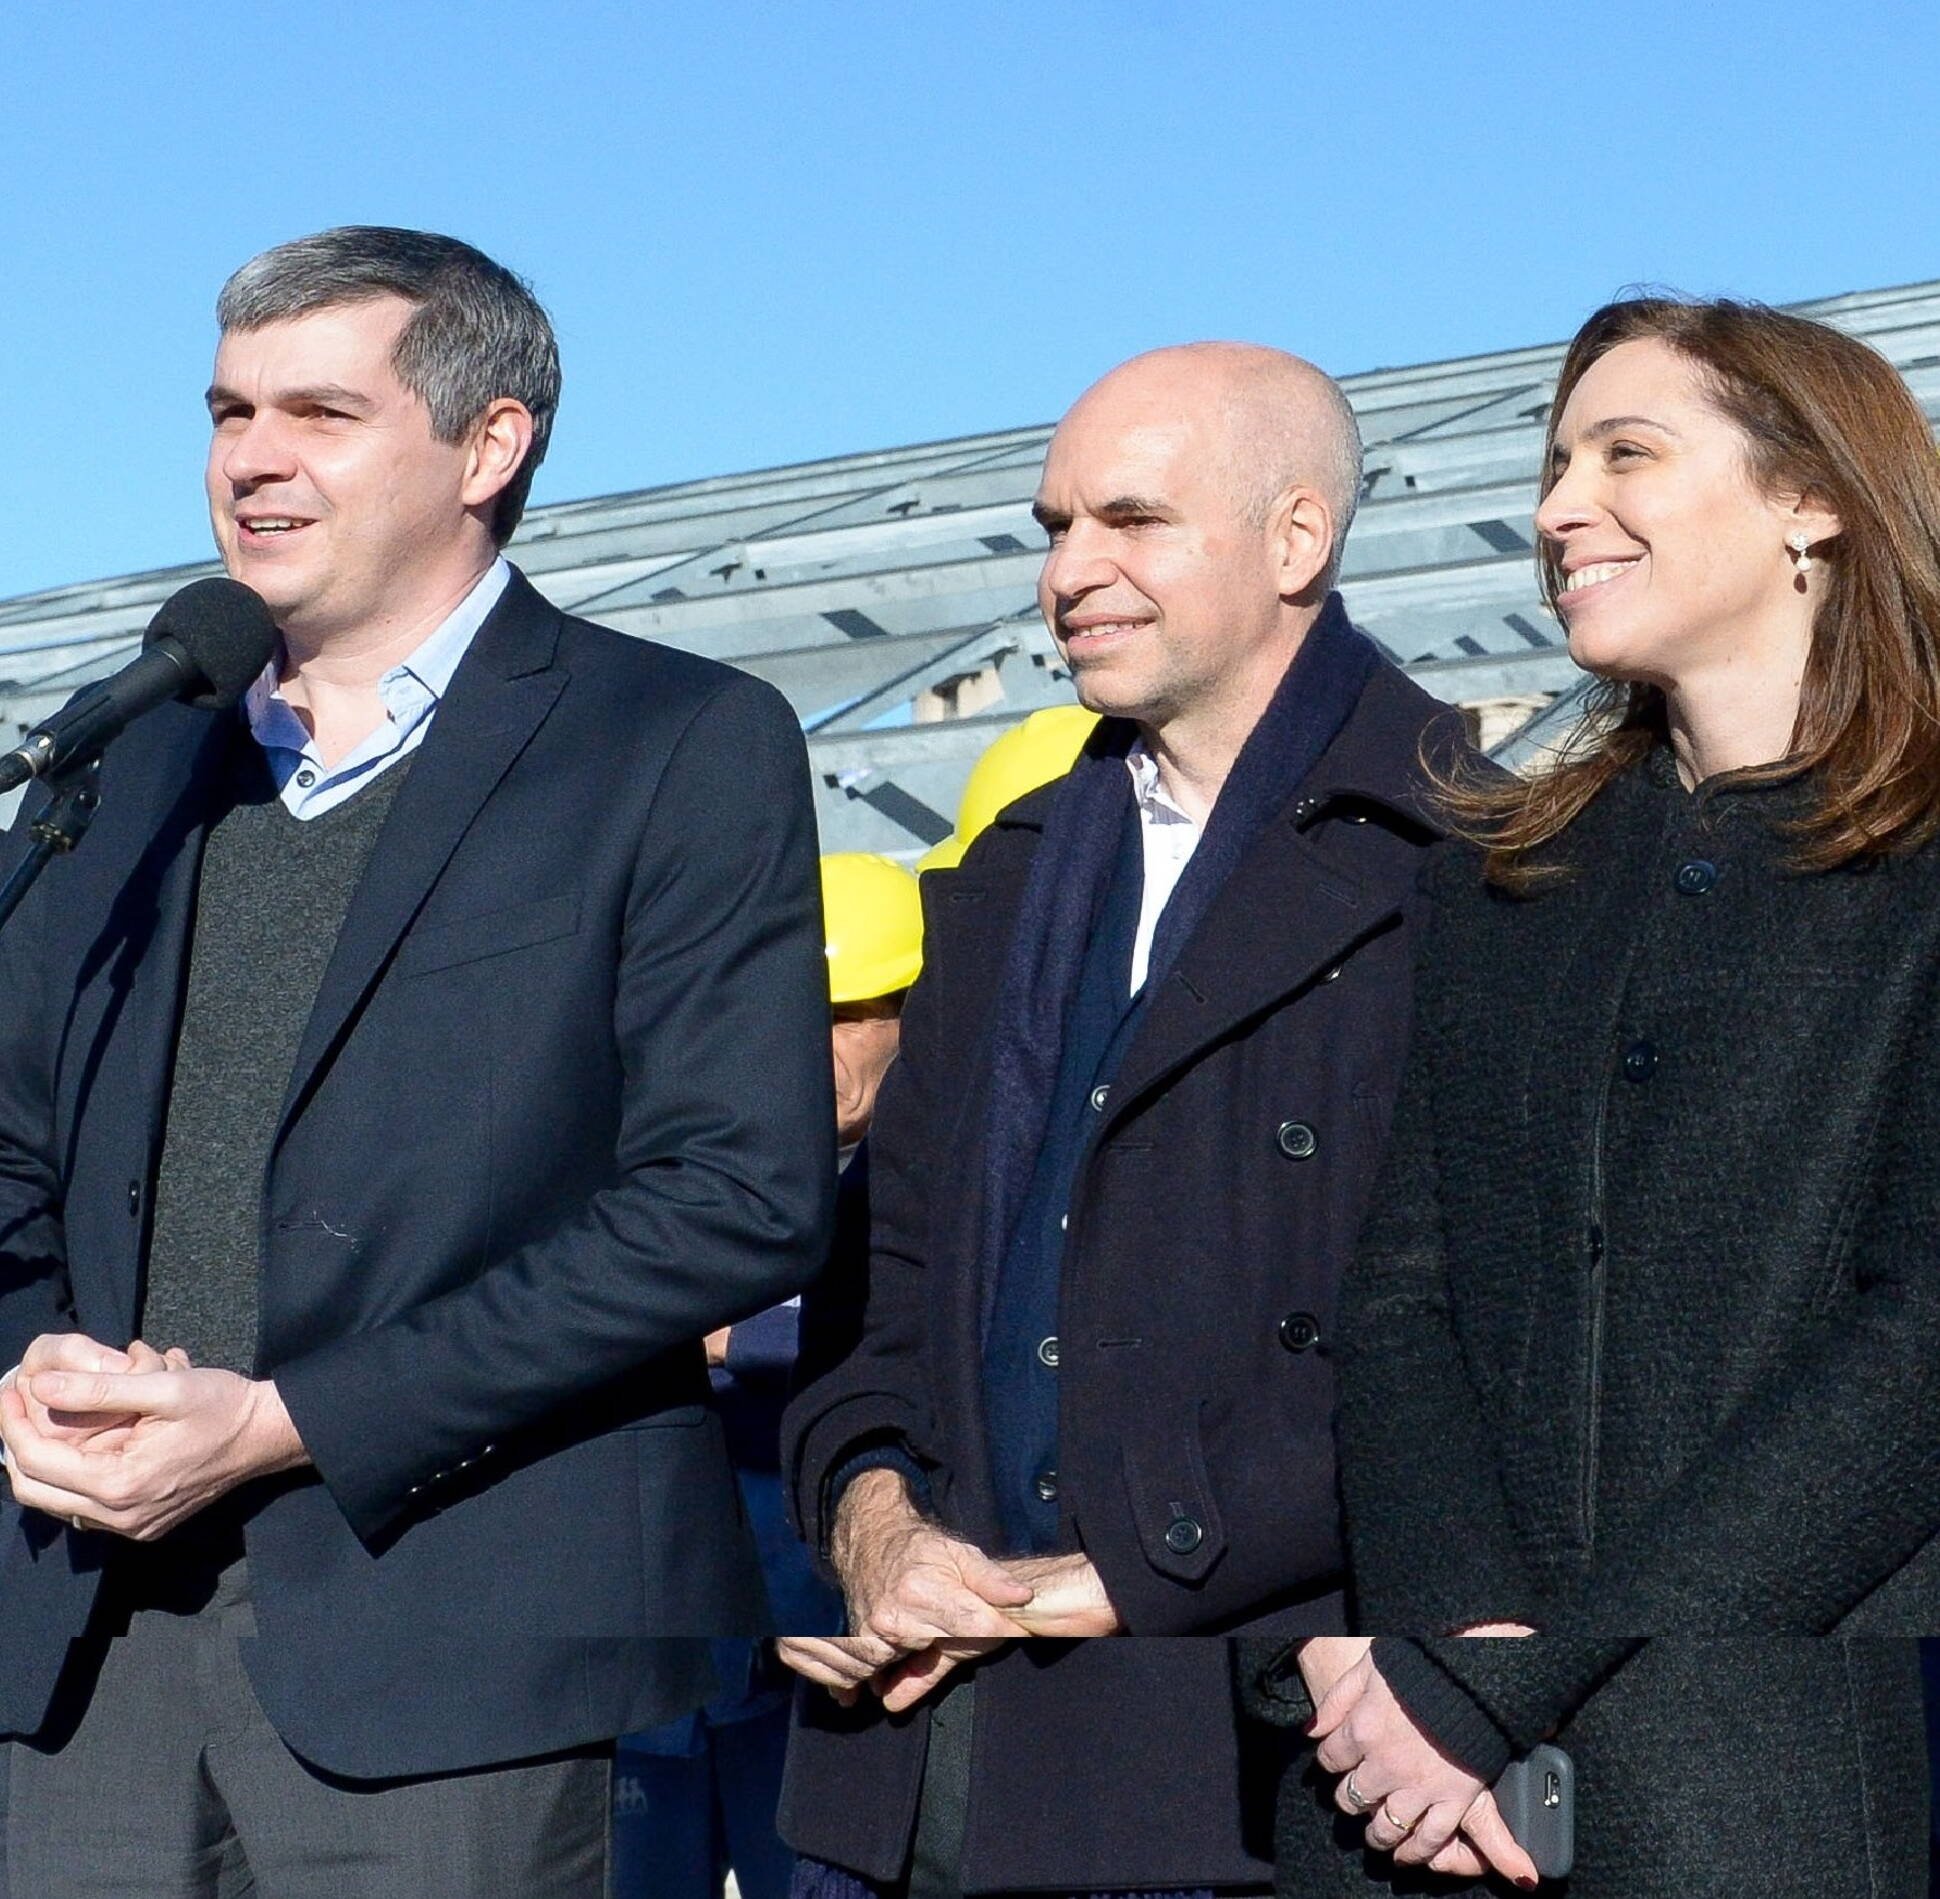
(1046, 1485)
(1695, 878)
(134, 1200)
(1639, 1061)
(1300, 1331)
(1183, 1536)
(1297, 1140)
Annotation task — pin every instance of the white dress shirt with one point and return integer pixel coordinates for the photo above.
(1169, 837)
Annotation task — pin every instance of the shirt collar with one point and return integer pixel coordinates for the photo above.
(1155, 803)
(432, 662)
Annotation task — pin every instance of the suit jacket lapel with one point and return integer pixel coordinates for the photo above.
(133, 972)
(499, 697)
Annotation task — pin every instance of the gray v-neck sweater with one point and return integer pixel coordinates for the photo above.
(270, 903)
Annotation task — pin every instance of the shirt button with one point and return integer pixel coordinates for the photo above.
(1183, 1536)
(306, 778)
(1100, 1095)
(1695, 878)
(1045, 1484)
(1047, 1353)
(1639, 1061)
(1297, 1140)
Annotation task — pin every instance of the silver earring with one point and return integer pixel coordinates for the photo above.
(1801, 547)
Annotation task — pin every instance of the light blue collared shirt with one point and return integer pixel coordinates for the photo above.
(410, 690)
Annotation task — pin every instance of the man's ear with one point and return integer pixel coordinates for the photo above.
(1301, 528)
(501, 440)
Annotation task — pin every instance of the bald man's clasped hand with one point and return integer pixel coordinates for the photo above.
(923, 1603)
(135, 1442)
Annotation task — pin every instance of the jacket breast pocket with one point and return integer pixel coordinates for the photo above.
(470, 939)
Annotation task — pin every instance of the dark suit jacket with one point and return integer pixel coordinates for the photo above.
(1214, 1209)
(561, 1107)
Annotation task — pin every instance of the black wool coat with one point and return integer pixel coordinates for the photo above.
(1213, 1212)
(1643, 1338)
(1740, 1768)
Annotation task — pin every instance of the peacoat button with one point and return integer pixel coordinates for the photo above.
(1183, 1536)
(1045, 1483)
(1047, 1353)
(1695, 878)
(134, 1200)
(1297, 1140)
(1300, 1331)
(1639, 1061)
(1305, 809)
(1100, 1095)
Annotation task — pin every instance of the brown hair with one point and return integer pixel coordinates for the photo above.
(1823, 414)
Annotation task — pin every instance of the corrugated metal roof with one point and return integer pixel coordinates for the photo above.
(883, 592)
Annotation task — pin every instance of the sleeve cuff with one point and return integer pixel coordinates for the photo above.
(1441, 1708)
(1272, 1688)
(886, 1455)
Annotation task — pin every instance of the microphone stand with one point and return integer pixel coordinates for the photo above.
(58, 829)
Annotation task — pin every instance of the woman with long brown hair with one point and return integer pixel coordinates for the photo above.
(1644, 1335)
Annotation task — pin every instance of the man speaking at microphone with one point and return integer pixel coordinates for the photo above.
(404, 1077)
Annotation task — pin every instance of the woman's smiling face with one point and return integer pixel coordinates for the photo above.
(1673, 560)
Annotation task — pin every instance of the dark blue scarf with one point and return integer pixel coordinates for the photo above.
(1072, 868)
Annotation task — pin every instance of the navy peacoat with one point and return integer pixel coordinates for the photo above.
(1214, 1208)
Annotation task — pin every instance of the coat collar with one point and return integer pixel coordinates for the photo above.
(1302, 896)
(1374, 760)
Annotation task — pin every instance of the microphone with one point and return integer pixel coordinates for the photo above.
(206, 646)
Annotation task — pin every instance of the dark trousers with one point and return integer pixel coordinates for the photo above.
(170, 1783)
(943, 1806)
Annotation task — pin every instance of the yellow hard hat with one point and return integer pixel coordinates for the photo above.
(872, 920)
(1042, 747)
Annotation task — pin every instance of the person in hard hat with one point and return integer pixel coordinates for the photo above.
(872, 920)
(697, 1798)
(1032, 753)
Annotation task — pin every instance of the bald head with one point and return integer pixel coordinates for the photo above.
(1272, 421)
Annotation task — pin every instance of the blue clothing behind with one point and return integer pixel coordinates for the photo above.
(698, 1795)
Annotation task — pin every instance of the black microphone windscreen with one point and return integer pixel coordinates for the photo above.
(227, 632)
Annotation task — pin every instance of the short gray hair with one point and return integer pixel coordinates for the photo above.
(477, 334)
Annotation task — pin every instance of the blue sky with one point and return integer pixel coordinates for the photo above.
(769, 232)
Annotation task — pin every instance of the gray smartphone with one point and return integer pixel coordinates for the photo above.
(1537, 1796)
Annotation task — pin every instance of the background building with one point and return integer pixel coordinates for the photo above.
(890, 595)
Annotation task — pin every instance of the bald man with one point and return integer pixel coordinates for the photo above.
(1144, 1083)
